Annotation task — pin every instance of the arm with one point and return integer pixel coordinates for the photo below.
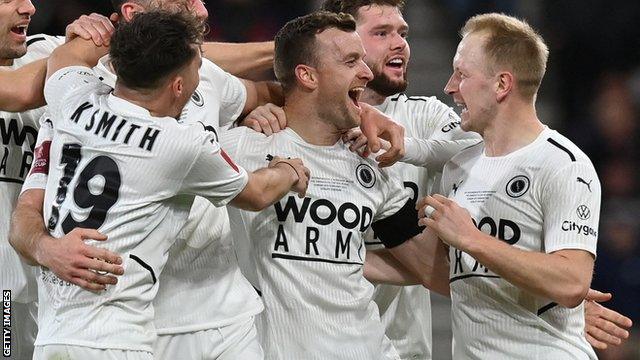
(270, 184)
(21, 89)
(380, 267)
(78, 52)
(261, 93)
(68, 257)
(563, 276)
(248, 60)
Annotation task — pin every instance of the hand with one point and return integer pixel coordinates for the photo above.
(301, 172)
(94, 27)
(71, 259)
(267, 119)
(375, 126)
(603, 326)
(446, 218)
(359, 141)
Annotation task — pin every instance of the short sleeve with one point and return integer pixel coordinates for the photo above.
(213, 174)
(66, 82)
(571, 208)
(40, 46)
(39, 173)
(396, 195)
(233, 93)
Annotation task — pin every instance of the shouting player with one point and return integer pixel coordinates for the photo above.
(521, 217)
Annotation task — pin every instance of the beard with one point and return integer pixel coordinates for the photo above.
(383, 85)
(13, 53)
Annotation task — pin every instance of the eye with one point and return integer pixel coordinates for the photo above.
(381, 33)
(404, 34)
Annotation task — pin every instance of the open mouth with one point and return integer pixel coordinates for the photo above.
(395, 63)
(462, 107)
(354, 95)
(19, 30)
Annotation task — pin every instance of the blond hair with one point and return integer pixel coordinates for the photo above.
(514, 44)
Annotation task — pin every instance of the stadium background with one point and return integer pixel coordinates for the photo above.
(591, 93)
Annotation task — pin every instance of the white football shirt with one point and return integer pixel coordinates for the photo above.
(18, 132)
(543, 197)
(308, 254)
(132, 176)
(406, 310)
(202, 286)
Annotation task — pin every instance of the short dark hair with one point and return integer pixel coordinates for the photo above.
(154, 45)
(351, 7)
(295, 43)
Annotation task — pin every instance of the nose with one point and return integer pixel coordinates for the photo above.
(452, 85)
(199, 8)
(398, 42)
(26, 7)
(365, 72)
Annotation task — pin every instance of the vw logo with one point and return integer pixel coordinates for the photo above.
(583, 212)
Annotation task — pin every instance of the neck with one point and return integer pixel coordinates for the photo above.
(371, 97)
(155, 101)
(514, 127)
(304, 119)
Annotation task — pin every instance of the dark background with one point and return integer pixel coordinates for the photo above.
(591, 94)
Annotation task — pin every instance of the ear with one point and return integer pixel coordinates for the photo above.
(177, 86)
(504, 85)
(306, 76)
(129, 10)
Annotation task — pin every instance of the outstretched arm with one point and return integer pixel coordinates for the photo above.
(21, 89)
(252, 61)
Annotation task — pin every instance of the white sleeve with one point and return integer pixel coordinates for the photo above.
(40, 46)
(396, 195)
(571, 208)
(213, 175)
(233, 93)
(65, 82)
(438, 137)
(39, 173)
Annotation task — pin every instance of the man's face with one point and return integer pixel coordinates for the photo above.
(471, 85)
(15, 16)
(384, 32)
(342, 76)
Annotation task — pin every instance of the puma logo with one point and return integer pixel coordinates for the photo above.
(581, 180)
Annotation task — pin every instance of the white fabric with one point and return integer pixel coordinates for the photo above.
(308, 254)
(66, 352)
(202, 261)
(406, 310)
(146, 172)
(533, 199)
(18, 133)
(231, 342)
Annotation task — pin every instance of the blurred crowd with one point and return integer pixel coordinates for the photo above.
(592, 86)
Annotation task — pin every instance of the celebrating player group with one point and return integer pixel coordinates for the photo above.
(161, 200)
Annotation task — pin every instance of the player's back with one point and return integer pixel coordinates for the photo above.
(117, 169)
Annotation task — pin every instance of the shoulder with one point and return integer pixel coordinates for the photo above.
(40, 46)
(209, 71)
(561, 148)
(423, 105)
